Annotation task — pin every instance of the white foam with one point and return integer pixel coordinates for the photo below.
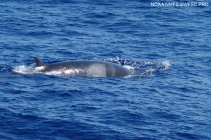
(166, 65)
(23, 69)
(129, 67)
(38, 69)
(27, 69)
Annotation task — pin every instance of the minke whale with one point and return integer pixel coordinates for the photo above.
(88, 68)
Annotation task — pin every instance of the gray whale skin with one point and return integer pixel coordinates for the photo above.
(88, 68)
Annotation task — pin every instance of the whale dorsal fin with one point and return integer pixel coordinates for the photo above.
(39, 63)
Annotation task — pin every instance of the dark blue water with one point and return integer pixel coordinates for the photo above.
(168, 96)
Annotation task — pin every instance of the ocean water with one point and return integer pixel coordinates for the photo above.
(168, 96)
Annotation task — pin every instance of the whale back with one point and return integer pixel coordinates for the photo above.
(86, 68)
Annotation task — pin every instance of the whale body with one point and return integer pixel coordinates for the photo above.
(88, 68)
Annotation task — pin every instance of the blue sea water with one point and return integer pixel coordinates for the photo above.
(168, 96)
